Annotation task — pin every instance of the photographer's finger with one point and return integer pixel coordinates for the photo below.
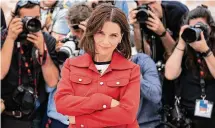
(202, 36)
(151, 20)
(150, 23)
(31, 40)
(183, 28)
(15, 20)
(133, 14)
(152, 14)
(132, 21)
(32, 36)
(150, 27)
(82, 27)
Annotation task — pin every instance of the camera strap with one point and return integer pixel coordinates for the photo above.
(42, 58)
(201, 74)
(203, 108)
(26, 63)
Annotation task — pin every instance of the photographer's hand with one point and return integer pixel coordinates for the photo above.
(201, 45)
(2, 106)
(59, 44)
(15, 28)
(155, 24)
(132, 16)
(83, 25)
(181, 44)
(37, 39)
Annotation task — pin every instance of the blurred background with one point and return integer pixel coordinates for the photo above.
(8, 5)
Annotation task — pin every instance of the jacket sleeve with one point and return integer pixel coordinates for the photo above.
(124, 113)
(68, 104)
(150, 87)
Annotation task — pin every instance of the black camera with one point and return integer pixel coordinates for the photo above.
(30, 24)
(175, 117)
(193, 33)
(142, 14)
(25, 98)
(70, 48)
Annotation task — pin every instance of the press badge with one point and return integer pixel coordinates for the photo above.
(203, 108)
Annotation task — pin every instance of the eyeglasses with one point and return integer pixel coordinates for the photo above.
(113, 39)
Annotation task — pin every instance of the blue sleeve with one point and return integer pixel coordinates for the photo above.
(123, 6)
(150, 82)
(60, 25)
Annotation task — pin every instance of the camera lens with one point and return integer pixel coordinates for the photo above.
(33, 25)
(191, 35)
(142, 16)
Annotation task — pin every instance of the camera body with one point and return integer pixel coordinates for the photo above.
(142, 14)
(176, 116)
(30, 24)
(69, 49)
(193, 33)
(25, 98)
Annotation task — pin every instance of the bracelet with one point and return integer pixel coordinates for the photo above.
(209, 54)
(163, 34)
(180, 49)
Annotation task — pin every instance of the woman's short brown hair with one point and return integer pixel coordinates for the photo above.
(100, 15)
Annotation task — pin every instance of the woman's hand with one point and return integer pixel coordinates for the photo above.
(2, 106)
(201, 45)
(114, 103)
(181, 43)
(72, 119)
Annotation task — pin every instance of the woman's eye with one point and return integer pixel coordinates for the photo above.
(113, 35)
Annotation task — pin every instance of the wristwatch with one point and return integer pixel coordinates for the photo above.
(205, 54)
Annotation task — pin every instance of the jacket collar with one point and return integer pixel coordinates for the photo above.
(118, 62)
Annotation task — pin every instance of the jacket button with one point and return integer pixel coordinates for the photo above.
(117, 83)
(82, 126)
(79, 79)
(101, 83)
(104, 106)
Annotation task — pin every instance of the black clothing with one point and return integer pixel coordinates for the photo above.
(173, 13)
(3, 21)
(191, 89)
(10, 82)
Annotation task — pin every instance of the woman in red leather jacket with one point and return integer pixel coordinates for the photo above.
(102, 87)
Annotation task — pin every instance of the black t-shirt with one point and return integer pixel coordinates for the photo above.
(10, 82)
(191, 89)
(3, 21)
(173, 13)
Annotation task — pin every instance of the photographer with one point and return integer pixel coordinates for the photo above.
(77, 15)
(156, 27)
(193, 63)
(76, 18)
(53, 18)
(29, 60)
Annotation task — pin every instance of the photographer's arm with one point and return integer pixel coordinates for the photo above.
(173, 65)
(50, 72)
(155, 24)
(15, 28)
(210, 60)
(202, 46)
(49, 69)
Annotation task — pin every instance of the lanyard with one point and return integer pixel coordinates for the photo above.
(201, 73)
(23, 60)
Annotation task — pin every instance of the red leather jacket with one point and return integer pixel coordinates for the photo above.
(82, 92)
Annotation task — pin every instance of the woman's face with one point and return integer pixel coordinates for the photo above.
(49, 3)
(107, 38)
(192, 22)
